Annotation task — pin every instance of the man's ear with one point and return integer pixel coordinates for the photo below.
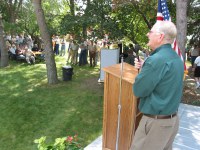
(161, 37)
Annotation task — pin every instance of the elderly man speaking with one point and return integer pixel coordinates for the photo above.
(159, 87)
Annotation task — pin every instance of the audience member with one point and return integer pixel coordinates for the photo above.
(30, 56)
(130, 59)
(194, 54)
(69, 52)
(20, 53)
(62, 51)
(197, 71)
(35, 48)
(74, 52)
(12, 52)
(57, 44)
(82, 57)
(92, 53)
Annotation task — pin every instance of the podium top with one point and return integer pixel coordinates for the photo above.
(129, 72)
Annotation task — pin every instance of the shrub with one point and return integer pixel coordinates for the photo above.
(65, 143)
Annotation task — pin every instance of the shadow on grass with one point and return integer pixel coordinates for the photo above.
(30, 108)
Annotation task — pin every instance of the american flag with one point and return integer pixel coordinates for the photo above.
(163, 14)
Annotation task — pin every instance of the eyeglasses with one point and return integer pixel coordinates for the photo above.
(151, 31)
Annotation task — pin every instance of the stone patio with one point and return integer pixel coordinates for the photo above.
(188, 137)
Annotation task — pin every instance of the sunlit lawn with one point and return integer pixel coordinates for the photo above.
(30, 108)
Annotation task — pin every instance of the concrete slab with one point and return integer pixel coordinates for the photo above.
(188, 137)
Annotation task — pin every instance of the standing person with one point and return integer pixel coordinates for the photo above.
(197, 71)
(97, 57)
(194, 54)
(74, 52)
(86, 46)
(62, 51)
(92, 53)
(159, 86)
(53, 42)
(69, 51)
(82, 57)
(56, 48)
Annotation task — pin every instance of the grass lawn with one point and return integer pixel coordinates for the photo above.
(30, 108)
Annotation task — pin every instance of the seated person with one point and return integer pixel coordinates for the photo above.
(30, 56)
(35, 48)
(131, 58)
(124, 55)
(11, 51)
(20, 52)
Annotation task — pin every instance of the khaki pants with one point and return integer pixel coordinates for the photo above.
(74, 56)
(155, 134)
(92, 58)
(69, 55)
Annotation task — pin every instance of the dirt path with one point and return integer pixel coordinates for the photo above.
(191, 95)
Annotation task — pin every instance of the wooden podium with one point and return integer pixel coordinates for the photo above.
(130, 116)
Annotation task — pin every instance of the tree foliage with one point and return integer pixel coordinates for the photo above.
(11, 9)
(92, 15)
(194, 21)
(135, 19)
(118, 18)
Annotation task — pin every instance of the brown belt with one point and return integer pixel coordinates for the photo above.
(161, 116)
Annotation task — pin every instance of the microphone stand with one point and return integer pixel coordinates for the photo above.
(119, 104)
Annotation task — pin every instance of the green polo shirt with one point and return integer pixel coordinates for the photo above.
(159, 85)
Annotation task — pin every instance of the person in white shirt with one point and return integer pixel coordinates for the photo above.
(30, 56)
(12, 52)
(74, 52)
(197, 71)
(62, 51)
(194, 54)
(12, 49)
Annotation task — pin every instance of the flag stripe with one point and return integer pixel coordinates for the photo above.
(163, 14)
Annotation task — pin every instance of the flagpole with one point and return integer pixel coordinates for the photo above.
(119, 104)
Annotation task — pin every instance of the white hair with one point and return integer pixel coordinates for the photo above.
(168, 29)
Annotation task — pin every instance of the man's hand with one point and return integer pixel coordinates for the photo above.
(138, 63)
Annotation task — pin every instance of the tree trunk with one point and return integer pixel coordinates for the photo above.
(13, 8)
(85, 25)
(4, 51)
(181, 24)
(72, 10)
(49, 54)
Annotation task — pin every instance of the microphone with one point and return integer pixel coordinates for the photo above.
(138, 61)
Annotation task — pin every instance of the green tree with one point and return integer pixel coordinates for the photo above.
(94, 16)
(54, 15)
(135, 19)
(3, 50)
(49, 54)
(10, 10)
(193, 23)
